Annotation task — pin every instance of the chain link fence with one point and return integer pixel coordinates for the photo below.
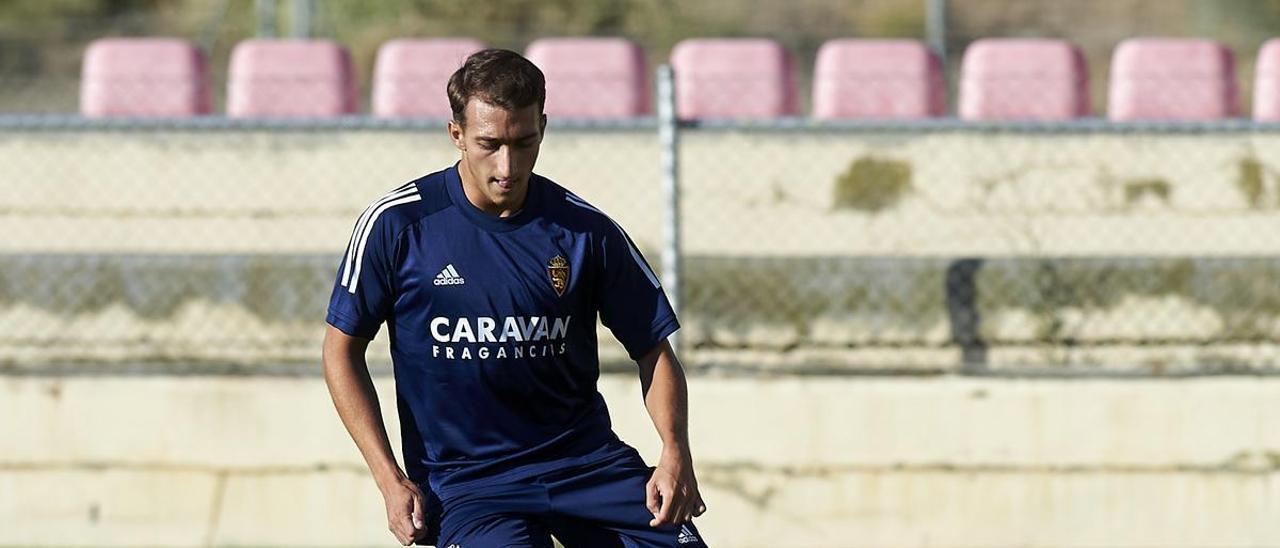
(1083, 247)
(930, 247)
(1066, 248)
(214, 244)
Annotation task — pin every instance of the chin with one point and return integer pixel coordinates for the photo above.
(504, 199)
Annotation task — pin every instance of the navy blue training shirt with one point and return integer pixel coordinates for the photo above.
(493, 325)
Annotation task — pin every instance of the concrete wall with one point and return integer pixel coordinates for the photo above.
(215, 313)
(746, 193)
(806, 250)
(190, 251)
(817, 461)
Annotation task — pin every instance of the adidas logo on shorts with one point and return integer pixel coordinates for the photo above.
(449, 276)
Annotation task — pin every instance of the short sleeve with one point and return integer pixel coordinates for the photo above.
(632, 303)
(362, 294)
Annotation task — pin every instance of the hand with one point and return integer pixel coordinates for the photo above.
(672, 492)
(405, 509)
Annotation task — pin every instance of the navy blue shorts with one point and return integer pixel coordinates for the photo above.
(602, 505)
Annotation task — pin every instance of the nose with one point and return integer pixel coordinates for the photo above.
(503, 159)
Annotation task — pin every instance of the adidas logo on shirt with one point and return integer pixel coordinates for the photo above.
(449, 276)
(686, 536)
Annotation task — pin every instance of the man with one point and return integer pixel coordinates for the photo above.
(490, 279)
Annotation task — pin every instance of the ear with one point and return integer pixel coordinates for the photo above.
(455, 135)
(543, 127)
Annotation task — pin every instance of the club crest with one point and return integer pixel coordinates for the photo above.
(558, 270)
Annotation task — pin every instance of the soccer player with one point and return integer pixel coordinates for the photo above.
(489, 278)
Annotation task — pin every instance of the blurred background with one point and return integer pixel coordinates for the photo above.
(950, 272)
(44, 41)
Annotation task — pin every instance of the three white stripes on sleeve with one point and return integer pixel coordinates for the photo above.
(648, 273)
(360, 236)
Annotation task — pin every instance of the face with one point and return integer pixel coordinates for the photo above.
(499, 148)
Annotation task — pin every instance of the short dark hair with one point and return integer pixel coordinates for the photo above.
(500, 77)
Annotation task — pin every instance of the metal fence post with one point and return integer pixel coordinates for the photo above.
(265, 11)
(669, 144)
(303, 13)
(936, 28)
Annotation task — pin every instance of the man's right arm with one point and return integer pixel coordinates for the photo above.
(347, 375)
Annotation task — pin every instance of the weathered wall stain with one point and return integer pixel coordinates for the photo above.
(872, 185)
(1135, 190)
(1251, 181)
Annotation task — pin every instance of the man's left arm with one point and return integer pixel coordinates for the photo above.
(672, 492)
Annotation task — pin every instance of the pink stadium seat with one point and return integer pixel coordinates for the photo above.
(733, 78)
(593, 77)
(1172, 79)
(410, 76)
(290, 78)
(855, 78)
(152, 77)
(1023, 79)
(1266, 86)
